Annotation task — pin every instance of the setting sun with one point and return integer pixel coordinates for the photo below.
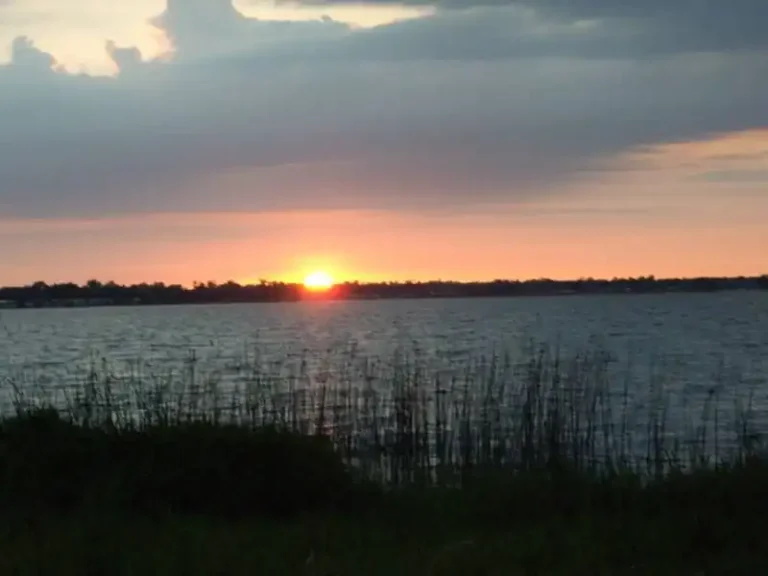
(318, 280)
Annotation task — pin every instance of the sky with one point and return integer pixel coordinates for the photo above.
(215, 140)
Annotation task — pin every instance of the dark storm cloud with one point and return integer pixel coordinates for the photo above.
(282, 115)
(629, 26)
(585, 9)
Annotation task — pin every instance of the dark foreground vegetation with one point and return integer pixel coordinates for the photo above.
(96, 293)
(531, 474)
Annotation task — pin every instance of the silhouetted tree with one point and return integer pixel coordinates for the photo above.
(95, 292)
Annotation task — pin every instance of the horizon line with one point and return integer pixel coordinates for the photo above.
(582, 279)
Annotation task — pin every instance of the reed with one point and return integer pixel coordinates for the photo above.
(495, 465)
(400, 423)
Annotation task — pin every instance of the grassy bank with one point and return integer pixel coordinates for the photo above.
(543, 469)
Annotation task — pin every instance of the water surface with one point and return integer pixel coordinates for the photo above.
(693, 342)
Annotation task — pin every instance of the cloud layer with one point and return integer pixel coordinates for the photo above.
(493, 104)
(649, 26)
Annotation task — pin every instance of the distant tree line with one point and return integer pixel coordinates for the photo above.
(95, 293)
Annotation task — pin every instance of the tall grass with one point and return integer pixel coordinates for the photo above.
(399, 424)
(552, 465)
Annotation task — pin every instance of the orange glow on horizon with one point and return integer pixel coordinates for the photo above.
(318, 281)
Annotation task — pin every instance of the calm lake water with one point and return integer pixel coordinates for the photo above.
(693, 342)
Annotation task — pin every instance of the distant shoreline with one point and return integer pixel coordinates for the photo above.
(96, 294)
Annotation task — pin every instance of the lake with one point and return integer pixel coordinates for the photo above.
(693, 344)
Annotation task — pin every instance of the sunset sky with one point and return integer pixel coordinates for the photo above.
(459, 139)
